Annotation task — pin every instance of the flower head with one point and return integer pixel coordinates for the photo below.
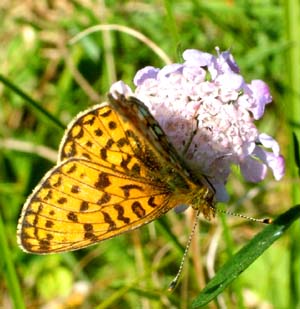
(207, 110)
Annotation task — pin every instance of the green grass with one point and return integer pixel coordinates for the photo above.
(62, 77)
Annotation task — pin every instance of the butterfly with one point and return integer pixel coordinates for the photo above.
(116, 171)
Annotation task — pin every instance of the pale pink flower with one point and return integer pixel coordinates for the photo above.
(207, 101)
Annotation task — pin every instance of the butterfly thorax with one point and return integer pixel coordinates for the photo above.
(183, 190)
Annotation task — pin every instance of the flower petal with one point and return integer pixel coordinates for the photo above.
(253, 170)
(145, 73)
(230, 81)
(277, 164)
(221, 193)
(226, 57)
(169, 69)
(261, 96)
(269, 142)
(197, 58)
(121, 88)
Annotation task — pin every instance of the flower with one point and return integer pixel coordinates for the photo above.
(207, 110)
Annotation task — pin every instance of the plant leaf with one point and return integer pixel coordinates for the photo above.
(246, 256)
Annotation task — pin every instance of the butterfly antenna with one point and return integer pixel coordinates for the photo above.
(174, 282)
(264, 220)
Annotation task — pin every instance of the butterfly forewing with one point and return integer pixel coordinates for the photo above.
(142, 120)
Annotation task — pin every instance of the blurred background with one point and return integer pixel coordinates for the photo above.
(65, 77)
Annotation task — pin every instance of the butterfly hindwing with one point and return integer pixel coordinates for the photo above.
(79, 203)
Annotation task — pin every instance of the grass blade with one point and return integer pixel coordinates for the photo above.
(246, 256)
(33, 103)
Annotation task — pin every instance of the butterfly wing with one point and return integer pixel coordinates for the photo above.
(135, 110)
(122, 135)
(80, 202)
(112, 176)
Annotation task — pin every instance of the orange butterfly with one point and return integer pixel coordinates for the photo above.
(116, 171)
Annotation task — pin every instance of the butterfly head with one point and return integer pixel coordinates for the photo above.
(204, 200)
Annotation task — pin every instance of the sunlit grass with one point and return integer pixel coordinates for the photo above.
(134, 270)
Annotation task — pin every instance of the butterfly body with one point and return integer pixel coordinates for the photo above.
(116, 171)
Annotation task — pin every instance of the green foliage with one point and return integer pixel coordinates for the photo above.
(61, 79)
(246, 256)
